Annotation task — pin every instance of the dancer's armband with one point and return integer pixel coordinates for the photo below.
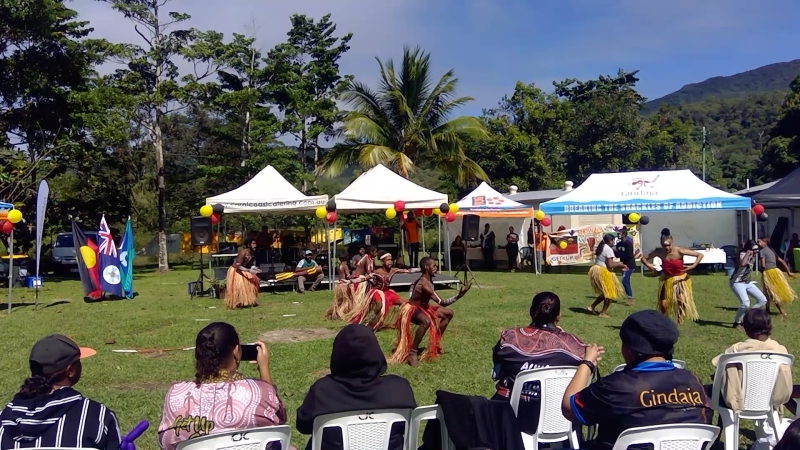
(448, 301)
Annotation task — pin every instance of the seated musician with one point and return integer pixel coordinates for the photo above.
(242, 284)
(304, 265)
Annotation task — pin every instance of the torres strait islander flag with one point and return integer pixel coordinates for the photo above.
(86, 256)
(110, 275)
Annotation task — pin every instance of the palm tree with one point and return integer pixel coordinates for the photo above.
(404, 124)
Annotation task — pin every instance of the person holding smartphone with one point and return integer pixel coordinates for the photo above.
(220, 398)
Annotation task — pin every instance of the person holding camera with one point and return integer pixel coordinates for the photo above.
(220, 398)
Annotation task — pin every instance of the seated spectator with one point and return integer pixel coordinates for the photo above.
(48, 412)
(758, 326)
(220, 399)
(540, 344)
(356, 382)
(791, 437)
(650, 391)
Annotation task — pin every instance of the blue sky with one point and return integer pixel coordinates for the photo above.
(491, 44)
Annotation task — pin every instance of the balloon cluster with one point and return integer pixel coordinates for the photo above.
(214, 211)
(539, 218)
(758, 210)
(399, 207)
(636, 218)
(8, 219)
(327, 212)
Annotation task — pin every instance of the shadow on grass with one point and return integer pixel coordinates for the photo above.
(41, 304)
(582, 311)
(727, 308)
(713, 323)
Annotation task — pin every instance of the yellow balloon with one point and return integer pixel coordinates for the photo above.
(562, 244)
(539, 214)
(633, 217)
(321, 212)
(15, 216)
(206, 210)
(391, 213)
(437, 212)
(453, 208)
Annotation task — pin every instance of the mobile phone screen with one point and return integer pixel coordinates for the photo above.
(249, 352)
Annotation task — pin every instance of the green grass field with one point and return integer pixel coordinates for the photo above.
(162, 316)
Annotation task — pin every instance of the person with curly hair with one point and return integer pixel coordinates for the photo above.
(220, 398)
(48, 411)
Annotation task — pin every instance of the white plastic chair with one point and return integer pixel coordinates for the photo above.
(362, 430)
(251, 439)
(759, 373)
(676, 362)
(428, 413)
(677, 436)
(553, 426)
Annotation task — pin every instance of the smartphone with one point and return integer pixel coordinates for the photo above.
(249, 352)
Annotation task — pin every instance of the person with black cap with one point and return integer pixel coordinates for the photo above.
(650, 391)
(48, 412)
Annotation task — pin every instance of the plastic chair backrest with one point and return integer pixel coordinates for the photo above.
(252, 439)
(430, 412)
(677, 436)
(361, 430)
(553, 381)
(680, 364)
(759, 373)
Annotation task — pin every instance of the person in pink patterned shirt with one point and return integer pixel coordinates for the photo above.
(220, 399)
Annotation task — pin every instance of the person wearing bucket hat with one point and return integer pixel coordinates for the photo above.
(650, 391)
(48, 412)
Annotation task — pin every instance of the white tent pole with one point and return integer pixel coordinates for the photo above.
(641, 246)
(447, 249)
(423, 237)
(439, 239)
(535, 245)
(401, 254)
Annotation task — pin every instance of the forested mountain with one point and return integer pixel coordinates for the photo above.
(769, 78)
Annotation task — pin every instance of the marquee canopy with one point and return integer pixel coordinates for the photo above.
(784, 193)
(6, 206)
(267, 193)
(378, 189)
(485, 201)
(641, 192)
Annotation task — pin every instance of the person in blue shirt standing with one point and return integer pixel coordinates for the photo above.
(626, 254)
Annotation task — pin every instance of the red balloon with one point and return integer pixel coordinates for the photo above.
(545, 222)
(399, 206)
(215, 218)
(417, 212)
(6, 227)
(758, 209)
(427, 212)
(331, 217)
(450, 217)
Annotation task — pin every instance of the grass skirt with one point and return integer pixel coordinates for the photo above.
(381, 314)
(405, 338)
(677, 291)
(342, 301)
(605, 283)
(360, 299)
(241, 289)
(777, 287)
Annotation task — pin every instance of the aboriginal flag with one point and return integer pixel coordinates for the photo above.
(87, 257)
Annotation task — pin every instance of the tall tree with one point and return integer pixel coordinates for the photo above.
(153, 84)
(307, 82)
(406, 123)
(782, 154)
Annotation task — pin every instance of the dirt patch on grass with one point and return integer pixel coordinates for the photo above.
(144, 386)
(297, 335)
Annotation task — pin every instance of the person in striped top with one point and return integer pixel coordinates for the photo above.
(48, 412)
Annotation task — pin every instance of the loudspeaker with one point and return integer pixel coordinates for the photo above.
(471, 228)
(201, 230)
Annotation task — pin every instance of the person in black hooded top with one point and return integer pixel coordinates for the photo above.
(356, 382)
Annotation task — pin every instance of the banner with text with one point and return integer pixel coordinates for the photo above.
(577, 245)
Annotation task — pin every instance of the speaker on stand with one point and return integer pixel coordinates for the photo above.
(200, 235)
(470, 232)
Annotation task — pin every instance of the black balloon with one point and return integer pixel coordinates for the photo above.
(762, 217)
(218, 208)
(331, 205)
(644, 220)
(444, 208)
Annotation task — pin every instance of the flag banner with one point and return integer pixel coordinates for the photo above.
(41, 208)
(110, 278)
(86, 255)
(126, 255)
(577, 245)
